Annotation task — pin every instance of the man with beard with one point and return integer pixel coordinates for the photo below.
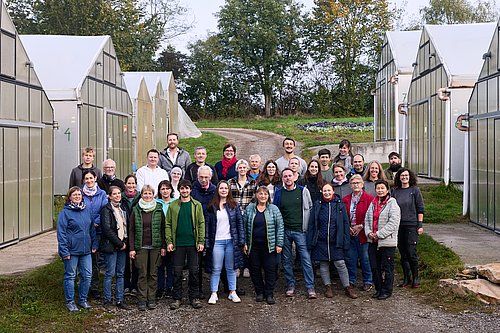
(200, 155)
(394, 166)
(173, 155)
(282, 162)
(358, 166)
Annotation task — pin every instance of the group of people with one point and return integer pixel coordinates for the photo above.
(235, 218)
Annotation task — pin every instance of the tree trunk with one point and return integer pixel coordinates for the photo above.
(267, 98)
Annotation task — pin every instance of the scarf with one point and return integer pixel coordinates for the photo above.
(328, 200)
(109, 178)
(121, 222)
(147, 207)
(226, 164)
(338, 182)
(90, 192)
(377, 208)
(74, 206)
(130, 195)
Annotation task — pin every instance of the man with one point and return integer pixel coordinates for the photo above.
(294, 165)
(324, 156)
(282, 162)
(109, 179)
(200, 155)
(76, 176)
(295, 204)
(151, 174)
(255, 164)
(173, 155)
(394, 166)
(203, 191)
(185, 236)
(358, 166)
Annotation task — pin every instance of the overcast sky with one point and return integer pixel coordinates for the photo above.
(201, 12)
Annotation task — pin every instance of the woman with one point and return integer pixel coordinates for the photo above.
(76, 239)
(175, 176)
(95, 199)
(344, 157)
(263, 242)
(242, 186)
(381, 228)
(411, 203)
(147, 245)
(356, 205)
(374, 172)
(313, 180)
(340, 181)
(113, 245)
(165, 281)
(226, 168)
(130, 198)
(224, 238)
(328, 239)
(270, 177)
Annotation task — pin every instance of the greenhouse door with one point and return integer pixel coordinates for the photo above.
(9, 185)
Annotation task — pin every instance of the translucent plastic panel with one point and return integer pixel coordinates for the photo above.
(101, 132)
(47, 112)
(23, 66)
(85, 90)
(84, 127)
(22, 112)
(473, 170)
(35, 105)
(7, 55)
(47, 186)
(24, 183)
(9, 150)
(92, 91)
(493, 94)
(106, 68)
(35, 180)
(473, 102)
(2, 205)
(99, 94)
(7, 102)
(497, 176)
(482, 97)
(482, 174)
(490, 160)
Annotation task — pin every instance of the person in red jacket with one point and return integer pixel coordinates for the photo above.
(357, 204)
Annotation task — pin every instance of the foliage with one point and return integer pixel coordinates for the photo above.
(458, 11)
(347, 35)
(171, 60)
(443, 204)
(137, 27)
(262, 38)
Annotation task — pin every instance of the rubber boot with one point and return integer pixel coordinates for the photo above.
(406, 275)
(414, 272)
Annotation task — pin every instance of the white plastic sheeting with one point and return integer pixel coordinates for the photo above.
(404, 48)
(187, 129)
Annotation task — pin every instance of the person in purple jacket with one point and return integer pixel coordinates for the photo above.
(76, 237)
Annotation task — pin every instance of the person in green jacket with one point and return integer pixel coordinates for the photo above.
(185, 237)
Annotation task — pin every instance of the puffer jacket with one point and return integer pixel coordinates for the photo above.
(388, 223)
(274, 226)
(109, 226)
(76, 234)
(236, 229)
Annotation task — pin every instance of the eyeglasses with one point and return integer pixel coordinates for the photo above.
(355, 183)
(229, 151)
(109, 168)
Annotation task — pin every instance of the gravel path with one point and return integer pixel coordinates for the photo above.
(404, 312)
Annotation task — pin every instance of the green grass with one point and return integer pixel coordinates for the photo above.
(212, 142)
(34, 302)
(443, 204)
(287, 126)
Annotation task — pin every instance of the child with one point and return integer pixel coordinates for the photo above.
(76, 177)
(344, 156)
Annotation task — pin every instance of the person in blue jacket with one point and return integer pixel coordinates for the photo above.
(95, 199)
(76, 239)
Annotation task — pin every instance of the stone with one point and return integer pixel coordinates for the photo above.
(490, 272)
(483, 290)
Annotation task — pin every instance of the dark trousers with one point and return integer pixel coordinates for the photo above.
(261, 259)
(131, 273)
(201, 263)
(147, 262)
(382, 265)
(166, 280)
(407, 245)
(179, 257)
(94, 282)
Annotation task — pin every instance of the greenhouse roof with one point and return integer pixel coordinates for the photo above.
(404, 48)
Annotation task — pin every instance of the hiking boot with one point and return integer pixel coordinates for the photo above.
(122, 305)
(383, 296)
(376, 294)
(195, 303)
(233, 297)
(290, 291)
(151, 305)
(328, 291)
(270, 300)
(175, 304)
(311, 294)
(259, 298)
(349, 292)
(141, 306)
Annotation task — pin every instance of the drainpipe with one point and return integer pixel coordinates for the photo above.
(462, 125)
(444, 95)
(403, 110)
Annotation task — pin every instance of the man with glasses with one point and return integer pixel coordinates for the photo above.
(356, 205)
(200, 156)
(109, 179)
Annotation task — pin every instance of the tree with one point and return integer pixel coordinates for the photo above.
(263, 37)
(137, 27)
(458, 11)
(172, 60)
(347, 36)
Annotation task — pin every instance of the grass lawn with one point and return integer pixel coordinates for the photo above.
(443, 204)
(287, 126)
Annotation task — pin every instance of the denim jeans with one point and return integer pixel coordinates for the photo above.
(358, 251)
(115, 266)
(84, 265)
(301, 247)
(222, 254)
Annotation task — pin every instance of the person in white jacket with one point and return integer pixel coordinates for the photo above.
(381, 228)
(151, 174)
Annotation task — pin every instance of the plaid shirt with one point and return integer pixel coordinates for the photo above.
(243, 194)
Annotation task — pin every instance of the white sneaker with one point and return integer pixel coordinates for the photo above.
(246, 273)
(213, 298)
(234, 297)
